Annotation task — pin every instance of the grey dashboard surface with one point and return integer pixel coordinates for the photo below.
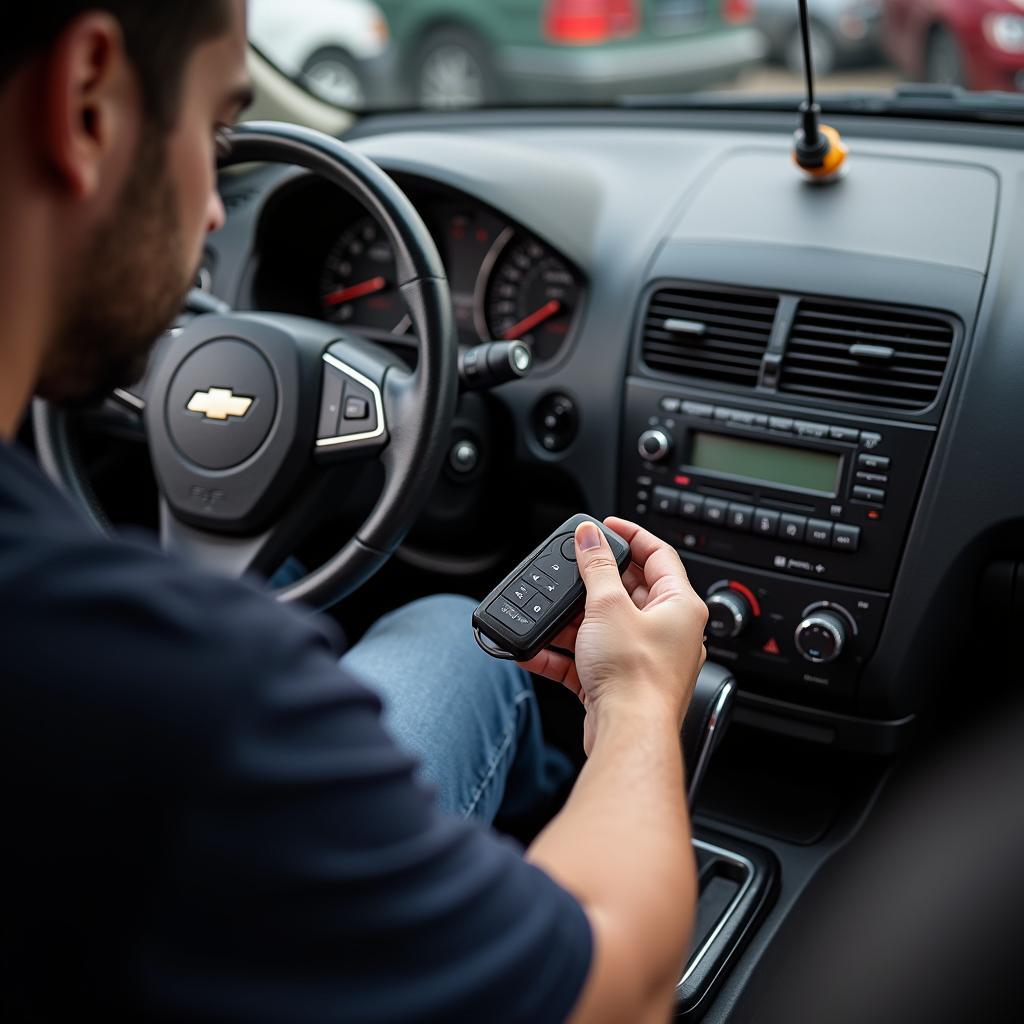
(921, 222)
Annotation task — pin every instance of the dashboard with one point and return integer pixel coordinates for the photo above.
(795, 385)
(506, 282)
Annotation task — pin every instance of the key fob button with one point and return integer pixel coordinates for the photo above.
(510, 616)
(545, 585)
(520, 594)
(560, 569)
(538, 606)
(569, 549)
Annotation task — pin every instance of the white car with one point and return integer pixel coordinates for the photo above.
(336, 48)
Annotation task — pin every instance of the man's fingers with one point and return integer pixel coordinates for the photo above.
(657, 558)
(559, 668)
(597, 567)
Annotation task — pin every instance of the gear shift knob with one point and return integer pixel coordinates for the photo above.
(705, 723)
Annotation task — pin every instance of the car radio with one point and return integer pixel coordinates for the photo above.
(796, 520)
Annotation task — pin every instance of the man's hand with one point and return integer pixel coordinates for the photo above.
(640, 637)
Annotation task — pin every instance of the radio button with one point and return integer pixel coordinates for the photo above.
(715, 510)
(819, 533)
(805, 429)
(698, 409)
(669, 404)
(873, 478)
(843, 434)
(666, 501)
(760, 420)
(691, 506)
(793, 527)
(845, 538)
(739, 517)
(879, 462)
(744, 419)
(872, 494)
(782, 423)
(723, 414)
(766, 522)
(869, 440)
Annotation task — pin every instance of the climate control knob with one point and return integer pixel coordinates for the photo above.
(654, 445)
(821, 637)
(728, 614)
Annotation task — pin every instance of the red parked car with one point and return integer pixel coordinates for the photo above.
(978, 44)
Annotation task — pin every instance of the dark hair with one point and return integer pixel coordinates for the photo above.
(160, 35)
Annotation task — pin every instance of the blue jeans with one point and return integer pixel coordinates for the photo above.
(472, 721)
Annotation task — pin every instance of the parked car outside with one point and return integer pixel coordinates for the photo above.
(844, 33)
(338, 49)
(978, 44)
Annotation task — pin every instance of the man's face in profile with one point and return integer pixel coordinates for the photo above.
(136, 269)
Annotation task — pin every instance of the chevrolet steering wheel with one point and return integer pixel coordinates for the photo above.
(246, 414)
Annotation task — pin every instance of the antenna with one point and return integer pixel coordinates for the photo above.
(817, 149)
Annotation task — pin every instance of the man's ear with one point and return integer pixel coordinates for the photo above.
(88, 87)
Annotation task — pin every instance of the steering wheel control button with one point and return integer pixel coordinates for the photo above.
(330, 402)
(819, 533)
(520, 594)
(356, 409)
(221, 404)
(766, 522)
(510, 616)
(793, 527)
(845, 537)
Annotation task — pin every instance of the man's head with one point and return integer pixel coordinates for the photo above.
(114, 107)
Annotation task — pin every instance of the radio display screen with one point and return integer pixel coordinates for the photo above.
(777, 464)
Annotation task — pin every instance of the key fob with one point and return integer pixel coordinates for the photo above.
(522, 614)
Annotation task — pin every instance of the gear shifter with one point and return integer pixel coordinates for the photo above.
(705, 723)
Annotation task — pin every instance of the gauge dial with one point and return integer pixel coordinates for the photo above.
(357, 285)
(529, 295)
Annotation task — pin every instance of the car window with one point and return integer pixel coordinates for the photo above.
(393, 54)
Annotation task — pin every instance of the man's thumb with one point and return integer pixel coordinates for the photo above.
(597, 563)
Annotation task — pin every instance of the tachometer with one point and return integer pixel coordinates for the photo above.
(357, 285)
(526, 293)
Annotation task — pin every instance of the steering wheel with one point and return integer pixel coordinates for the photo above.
(247, 414)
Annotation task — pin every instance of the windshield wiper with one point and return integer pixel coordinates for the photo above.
(945, 102)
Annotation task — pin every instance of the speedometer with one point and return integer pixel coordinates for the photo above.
(526, 293)
(357, 285)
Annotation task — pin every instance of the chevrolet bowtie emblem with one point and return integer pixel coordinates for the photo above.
(219, 403)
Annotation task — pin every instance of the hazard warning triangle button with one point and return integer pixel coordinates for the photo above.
(771, 647)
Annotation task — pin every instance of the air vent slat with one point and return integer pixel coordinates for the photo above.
(737, 326)
(819, 361)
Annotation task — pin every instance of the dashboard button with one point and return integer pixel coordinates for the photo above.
(744, 419)
(715, 510)
(805, 429)
(739, 517)
(819, 533)
(698, 409)
(870, 440)
(760, 419)
(845, 537)
(691, 506)
(669, 405)
(873, 478)
(723, 414)
(782, 423)
(879, 462)
(843, 434)
(872, 494)
(793, 527)
(666, 501)
(766, 522)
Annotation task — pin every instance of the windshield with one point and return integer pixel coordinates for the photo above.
(392, 54)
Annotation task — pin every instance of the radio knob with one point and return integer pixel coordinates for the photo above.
(821, 637)
(728, 614)
(654, 445)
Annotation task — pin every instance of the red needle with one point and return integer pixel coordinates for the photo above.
(356, 291)
(546, 312)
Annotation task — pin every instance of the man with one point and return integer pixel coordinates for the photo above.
(204, 817)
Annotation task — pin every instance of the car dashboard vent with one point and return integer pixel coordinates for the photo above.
(710, 333)
(877, 356)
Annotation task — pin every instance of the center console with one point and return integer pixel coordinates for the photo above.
(790, 523)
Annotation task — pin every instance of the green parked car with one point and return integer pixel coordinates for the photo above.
(457, 53)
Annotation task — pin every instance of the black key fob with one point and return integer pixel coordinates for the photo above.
(522, 614)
